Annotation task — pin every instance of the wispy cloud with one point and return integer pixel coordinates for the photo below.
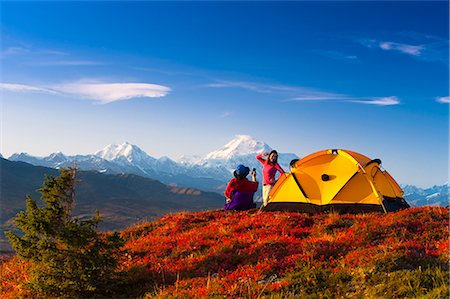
(65, 63)
(14, 87)
(419, 46)
(257, 87)
(55, 52)
(414, 50)
(226, 114)
(295, 93)
(403, 48)
(339, 56)
(22, 50)
(29, 55)
(100, 92)
(385, 101)
(112, 92)
(11, 51)
(443, 100)
(381, 101)
(313, 95)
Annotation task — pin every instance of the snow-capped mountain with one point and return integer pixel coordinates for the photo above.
(436, 195)
(211, 172)
(185, 159)
(24, 157)
(242, 145)
(219, 164)
(241, 150)
(55, 159)
(130, 158)
(125, 153)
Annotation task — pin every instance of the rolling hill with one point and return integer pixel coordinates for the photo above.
(252, 254)
(122, 199)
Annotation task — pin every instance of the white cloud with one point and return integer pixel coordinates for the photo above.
(419, 46)
(101, 92)
(25, 88)
(294, 92)
(55, 52)
(443, 100)
(14, 51)
(319, 96)
(340, 56)
(306, 94)
(403, 48)
(258, 87)
(385, 101)
(34, 56)
(65, 63)
(28, 50)
(111, 92)
(225, 114)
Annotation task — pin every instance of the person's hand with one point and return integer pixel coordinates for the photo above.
(228, 200)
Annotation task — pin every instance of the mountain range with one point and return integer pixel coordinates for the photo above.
(433, 196)
(209, 173)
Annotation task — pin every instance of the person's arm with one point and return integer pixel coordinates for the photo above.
(259, 157)
(253, 174)
(229, 189)
(278, 167)
(255, 186)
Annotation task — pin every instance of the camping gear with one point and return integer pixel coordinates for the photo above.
(336, 180)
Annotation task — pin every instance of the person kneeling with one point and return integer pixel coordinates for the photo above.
(240, 190)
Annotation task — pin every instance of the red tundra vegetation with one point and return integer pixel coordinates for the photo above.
(255, 254)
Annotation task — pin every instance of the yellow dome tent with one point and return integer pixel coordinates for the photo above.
(336, 180)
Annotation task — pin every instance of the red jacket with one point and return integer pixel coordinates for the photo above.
(242, 185)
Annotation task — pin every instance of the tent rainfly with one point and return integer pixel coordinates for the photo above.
(336, 180)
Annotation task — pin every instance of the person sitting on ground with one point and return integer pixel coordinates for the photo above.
(239, 192)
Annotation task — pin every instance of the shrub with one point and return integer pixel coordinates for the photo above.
(68, 257)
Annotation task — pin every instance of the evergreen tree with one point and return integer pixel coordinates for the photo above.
(68, 257)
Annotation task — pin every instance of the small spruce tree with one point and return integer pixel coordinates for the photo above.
(68, 257)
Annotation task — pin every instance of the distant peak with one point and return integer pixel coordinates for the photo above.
(244, 137)
(127, 150)
(57, 154)
(164, 159)
(21, 154)
(240, 145)
(189, 159)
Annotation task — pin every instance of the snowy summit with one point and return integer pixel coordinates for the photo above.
(240, 146)
(130, 152)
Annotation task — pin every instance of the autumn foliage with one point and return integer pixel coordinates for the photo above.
(253, 254)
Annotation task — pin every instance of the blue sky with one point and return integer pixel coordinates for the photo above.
(183, 78)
